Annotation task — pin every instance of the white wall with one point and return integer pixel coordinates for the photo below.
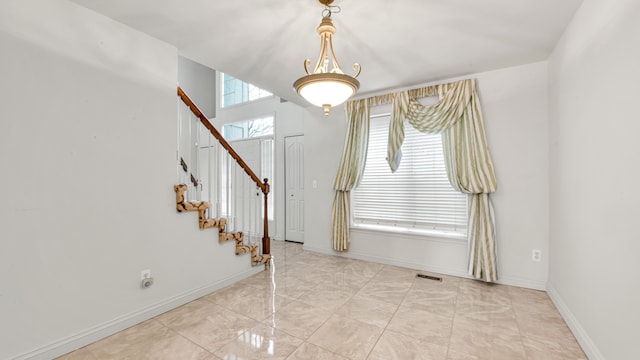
(514, 102)
(594, 275)
(87, 152)
(199, 83)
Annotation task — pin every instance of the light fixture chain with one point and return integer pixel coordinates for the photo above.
(330, 9)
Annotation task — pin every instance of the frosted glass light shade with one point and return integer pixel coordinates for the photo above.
(326, 90)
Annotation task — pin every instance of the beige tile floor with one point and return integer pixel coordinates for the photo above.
(313, 306)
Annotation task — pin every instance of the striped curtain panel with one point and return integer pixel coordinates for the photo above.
(457, 116)
(354, 156)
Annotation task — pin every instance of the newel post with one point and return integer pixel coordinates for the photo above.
(266, 246)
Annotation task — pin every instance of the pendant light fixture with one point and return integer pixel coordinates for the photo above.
(327, 87)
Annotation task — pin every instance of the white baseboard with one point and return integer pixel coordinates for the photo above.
(512, 281)
(521, 282)
(387, 261)
(108, 328)
(588, 346)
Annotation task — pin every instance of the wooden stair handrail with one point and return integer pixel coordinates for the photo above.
(264, 186)
(203, 119)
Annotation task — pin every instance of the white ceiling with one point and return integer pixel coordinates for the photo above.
(398, 43)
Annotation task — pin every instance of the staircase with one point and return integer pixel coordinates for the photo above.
(202, 208)
(258, 255)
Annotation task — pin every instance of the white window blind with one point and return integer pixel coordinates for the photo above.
(418, 195)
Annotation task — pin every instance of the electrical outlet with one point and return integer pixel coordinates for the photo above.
(145, 274)
(145, 279)
(536, 255)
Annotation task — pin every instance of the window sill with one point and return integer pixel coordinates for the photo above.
(248, 102)
(434, 234)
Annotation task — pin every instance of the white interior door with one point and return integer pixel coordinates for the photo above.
(294, 185)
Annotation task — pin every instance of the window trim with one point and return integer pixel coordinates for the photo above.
(430, 234)
(250, 102)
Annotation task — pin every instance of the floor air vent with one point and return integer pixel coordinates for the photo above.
(434, 278)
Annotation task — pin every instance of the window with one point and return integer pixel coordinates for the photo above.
(248, 129)
(417, 196)
(236, 91)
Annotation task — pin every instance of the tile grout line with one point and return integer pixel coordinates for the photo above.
(392, 316)
(335, 311)
(515, 316)
(184, 337)
(453, 319)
